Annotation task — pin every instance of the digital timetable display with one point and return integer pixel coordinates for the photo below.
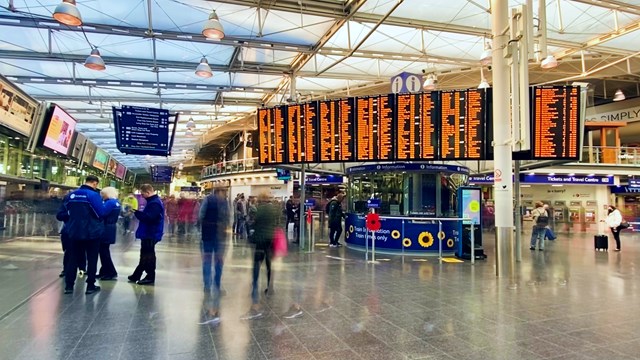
(271, 133)
(416, 124)
(555, 124)
(462, 117)
(437, 125)
(374, 121)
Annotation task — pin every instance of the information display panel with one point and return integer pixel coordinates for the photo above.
(327, 131)
(416, 125)
(555, 123)
(295, 140)
(310, 115)
(462, 131)
(271, 133)
(374, 120)
(346, 129)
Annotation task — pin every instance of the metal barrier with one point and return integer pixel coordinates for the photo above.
(30, 224)
(433, 220)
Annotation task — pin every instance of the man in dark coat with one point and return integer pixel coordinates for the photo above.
(83, 210)
(335, 220)
(150, 231)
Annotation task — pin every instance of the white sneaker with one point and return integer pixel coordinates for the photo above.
(81, 273)
(294, 312)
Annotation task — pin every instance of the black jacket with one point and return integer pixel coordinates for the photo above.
(83, 210)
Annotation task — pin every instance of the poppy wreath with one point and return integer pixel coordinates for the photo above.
(373, 222)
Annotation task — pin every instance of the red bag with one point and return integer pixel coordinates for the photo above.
(279, 243)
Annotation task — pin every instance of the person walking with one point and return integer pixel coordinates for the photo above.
(83, 210)
(613, 220)
(172, 213)
(150, 231)
(267, 218)
(241, 211)
(112, 212)
(129, 203)
(213, 219)
(335, 220)
(540, 221)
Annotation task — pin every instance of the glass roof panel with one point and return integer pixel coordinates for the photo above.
(192, 52)
(109, 45)
(309, 84)
(268, 56)
(24, 40)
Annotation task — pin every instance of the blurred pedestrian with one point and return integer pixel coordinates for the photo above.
(541, 221)
(267, 218)
(335, 220)
(172, 213)
(241, 211)
(112, 212)
(150, 231)
(614, 219)
(84, 212)
(129, 203)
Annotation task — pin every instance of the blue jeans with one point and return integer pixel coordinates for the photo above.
(538, 235)
(212, 251)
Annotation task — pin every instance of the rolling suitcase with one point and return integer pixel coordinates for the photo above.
(601, 242)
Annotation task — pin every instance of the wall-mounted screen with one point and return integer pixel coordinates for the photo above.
(17, 110)
(58, 130)
(121, 170)
(89, 153)
(79, 140)
(101, 159)
(112, 166)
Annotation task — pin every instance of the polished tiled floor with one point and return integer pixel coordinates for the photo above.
(571, 303)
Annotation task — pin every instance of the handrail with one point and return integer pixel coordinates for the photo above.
(231, 167)
(424, 218)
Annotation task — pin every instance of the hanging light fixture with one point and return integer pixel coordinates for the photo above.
(94, 61)
(203, 69)
(484, 84)
(549, 62)
(212, 28)
(191, 124)
(67, 13)
(619, 95)
(430, 83)
(189, 132)
(486, 56)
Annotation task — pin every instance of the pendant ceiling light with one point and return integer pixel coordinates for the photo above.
(189, 133)
(191, 124)
(67, 13)
(430, 83)
(549, 62)
(212, 28)
(94, 61)
(619, 95)
(484, 84)
(203, 69)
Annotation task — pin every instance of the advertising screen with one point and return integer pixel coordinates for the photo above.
(17, 110)
(78, 146)
(121, 170)
(59, 130)
(101, 159)
(112, 167)
(89, 153)
(471, 205)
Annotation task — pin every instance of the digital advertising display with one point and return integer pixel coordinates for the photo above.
(77, 147)
(89, 153)
(112, 166)
(121, 170)
(17, 109)
(59, 130)
(100, 160)
(471, 201)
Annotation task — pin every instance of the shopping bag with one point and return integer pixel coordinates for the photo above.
(549, 234)
(279, 243)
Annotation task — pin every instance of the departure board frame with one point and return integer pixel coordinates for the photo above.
(374, 125)
(561, 134)
(269, 131)
(335, 135)
(415, 147)
(459, 130)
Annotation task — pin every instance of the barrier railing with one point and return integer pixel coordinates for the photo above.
(230, 167)
(430, 220)
(611, 155)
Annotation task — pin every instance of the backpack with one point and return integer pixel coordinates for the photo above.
(543, 219)
(327, 208)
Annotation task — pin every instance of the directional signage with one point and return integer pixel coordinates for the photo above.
(373, 203)
(161, 174)
(142, 130)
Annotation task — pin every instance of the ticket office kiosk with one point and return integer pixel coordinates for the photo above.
(576, 216)
(560, 215)
(590, 215)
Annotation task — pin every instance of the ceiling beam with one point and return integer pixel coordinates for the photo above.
(95, 28)
(132, 84)
(149, 100)
(624, 7)
(600, 39)
(249, 67)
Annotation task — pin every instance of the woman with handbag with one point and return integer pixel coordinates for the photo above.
(265, 223)
(614, 220)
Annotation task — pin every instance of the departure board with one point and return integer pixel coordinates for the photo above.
(374, 122)
(462, 119)
(328, 135)
(346, 129)
(555, 124)
(416, 122)
(310, 116)
(271, 133)
(295, 140)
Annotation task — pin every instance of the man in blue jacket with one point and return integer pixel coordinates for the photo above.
(150, 231)
(84, 212)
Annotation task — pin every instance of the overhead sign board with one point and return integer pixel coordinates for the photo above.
(142, 130)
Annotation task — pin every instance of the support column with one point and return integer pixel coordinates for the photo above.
(503, 185)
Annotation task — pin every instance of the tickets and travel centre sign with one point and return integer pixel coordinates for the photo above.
(549, 179)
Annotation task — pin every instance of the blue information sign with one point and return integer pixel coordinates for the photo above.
(142, 130)
(310, 202)
(373, 203)
(161, 174)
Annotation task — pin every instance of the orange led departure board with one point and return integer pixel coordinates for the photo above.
(310, 115)
(555, 122)
(416, 122)
(295, 140)
(462, 118)
(374, 121)
(271, 133)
